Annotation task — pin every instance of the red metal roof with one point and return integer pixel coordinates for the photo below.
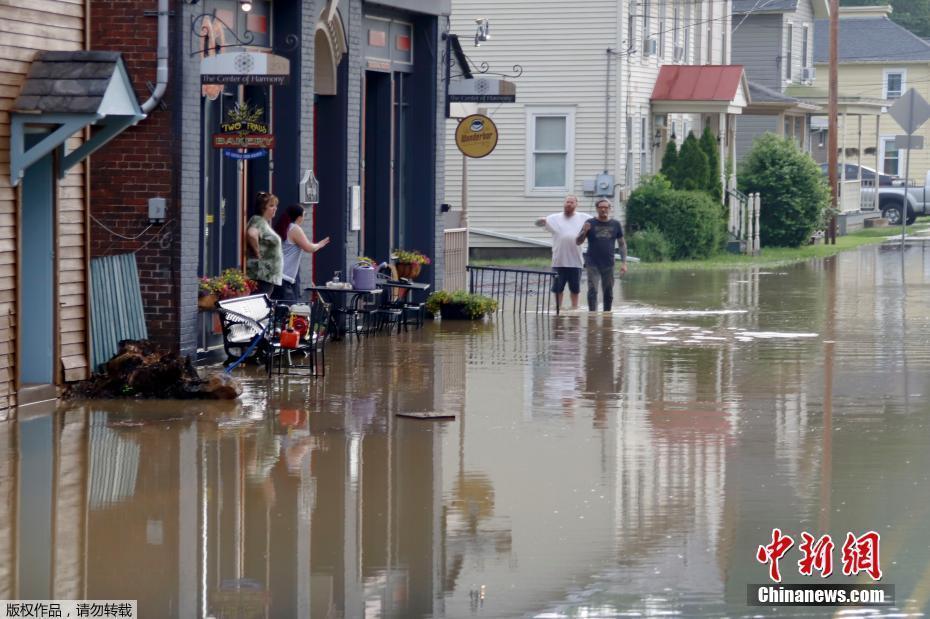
(697, 83)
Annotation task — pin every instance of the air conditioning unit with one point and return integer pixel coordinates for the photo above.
(679, 53)
(650, 47)
(808, 74)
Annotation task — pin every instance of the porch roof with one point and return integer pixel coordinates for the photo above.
(846, 104)
(767, 101)
(700, 88)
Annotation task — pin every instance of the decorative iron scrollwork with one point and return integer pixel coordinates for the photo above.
(291, 43)
(210, 33)
(485, 69)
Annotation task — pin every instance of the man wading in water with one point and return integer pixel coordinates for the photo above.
(601, 233)
(567, 260)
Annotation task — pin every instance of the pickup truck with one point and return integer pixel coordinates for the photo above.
(891, 199)
(891, 193)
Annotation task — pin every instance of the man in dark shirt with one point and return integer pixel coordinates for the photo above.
(602, 232)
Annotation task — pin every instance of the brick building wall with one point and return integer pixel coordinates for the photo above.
(137, 166)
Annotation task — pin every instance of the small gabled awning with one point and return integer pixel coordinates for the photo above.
(846, 104)
(690, 89)
(767, 101)
(63, 93)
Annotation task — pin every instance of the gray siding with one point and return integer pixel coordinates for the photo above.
(803, 16)
(757, 46)
(748, 128)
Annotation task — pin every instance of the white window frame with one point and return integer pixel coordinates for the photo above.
(629, 151)
(709, 59)
(788, 56)
(532, 112)
(661, 34)
(686, 44)
(646, 7)
(886, 73)
(805, 47)
(883, 141)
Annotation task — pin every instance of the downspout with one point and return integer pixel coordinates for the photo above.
(161, 75)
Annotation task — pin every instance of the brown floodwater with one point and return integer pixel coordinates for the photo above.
(599, 465)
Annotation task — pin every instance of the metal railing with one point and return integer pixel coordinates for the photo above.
(868, 197)
(523, 290)
(744, 219)
(455, 258)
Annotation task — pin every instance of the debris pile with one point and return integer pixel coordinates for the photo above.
(140, 370)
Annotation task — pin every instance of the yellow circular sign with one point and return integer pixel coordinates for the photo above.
(476, 136)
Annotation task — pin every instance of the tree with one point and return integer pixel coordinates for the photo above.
(709, 146)
(670, 161)
(692, 168)
(793, 191)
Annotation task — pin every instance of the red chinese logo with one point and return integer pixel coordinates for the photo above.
(860, 554)
(817, 555)
(773, 552)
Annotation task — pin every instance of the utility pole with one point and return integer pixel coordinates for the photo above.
(832, 116)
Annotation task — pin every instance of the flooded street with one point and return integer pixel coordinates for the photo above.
(599, 465)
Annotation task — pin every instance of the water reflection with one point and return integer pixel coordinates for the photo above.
(599, 465)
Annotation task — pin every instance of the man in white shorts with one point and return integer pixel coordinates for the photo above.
(567, 257)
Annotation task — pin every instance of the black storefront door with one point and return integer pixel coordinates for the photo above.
(387, 139)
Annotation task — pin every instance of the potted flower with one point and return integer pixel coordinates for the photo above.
(229, 284)
(409, 262)
(206, 293)
(460, 305)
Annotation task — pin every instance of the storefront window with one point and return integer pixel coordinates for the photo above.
(227, 25)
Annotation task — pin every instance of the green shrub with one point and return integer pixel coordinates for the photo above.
(476, 305)
(794, 193)
(709, 147)
(690, 221)
(649, 245)
(692, 168)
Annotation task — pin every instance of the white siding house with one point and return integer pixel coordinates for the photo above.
(583, 102)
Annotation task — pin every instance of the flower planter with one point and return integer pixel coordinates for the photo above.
(456, 311)
(206, 302)
(408, 270)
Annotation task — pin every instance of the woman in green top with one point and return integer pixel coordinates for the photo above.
(265, 262)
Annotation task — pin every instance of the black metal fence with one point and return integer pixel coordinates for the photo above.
(520, 290)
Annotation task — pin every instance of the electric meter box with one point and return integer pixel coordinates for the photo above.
(158, 208)
(604, 185)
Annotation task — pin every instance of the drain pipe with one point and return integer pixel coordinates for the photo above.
(161, 75)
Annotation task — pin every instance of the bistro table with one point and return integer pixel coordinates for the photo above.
(402, 289)
(342, 303)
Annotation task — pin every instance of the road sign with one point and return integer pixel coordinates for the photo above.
(911, 142)
(910, 111)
